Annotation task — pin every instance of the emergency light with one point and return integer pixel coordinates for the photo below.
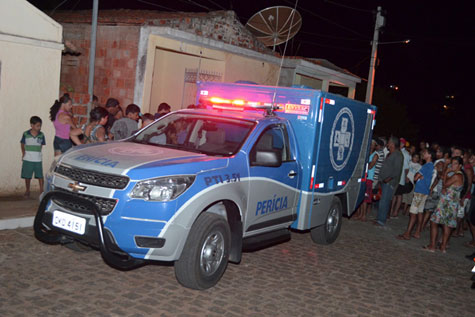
(216, 102)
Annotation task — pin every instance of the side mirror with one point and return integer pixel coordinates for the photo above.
(271, 158)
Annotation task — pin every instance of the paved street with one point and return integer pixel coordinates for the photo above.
(367, 272)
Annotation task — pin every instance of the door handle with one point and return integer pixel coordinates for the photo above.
(292, 174)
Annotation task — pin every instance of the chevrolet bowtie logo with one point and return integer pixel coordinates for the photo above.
(75, 187)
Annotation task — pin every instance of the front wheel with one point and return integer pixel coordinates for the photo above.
(205, 255)
(328, 232)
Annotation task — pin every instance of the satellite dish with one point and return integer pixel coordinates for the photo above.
(275, 25)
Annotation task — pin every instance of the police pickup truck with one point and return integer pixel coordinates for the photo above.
(199, 186)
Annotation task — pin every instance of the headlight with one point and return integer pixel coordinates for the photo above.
(162, 189)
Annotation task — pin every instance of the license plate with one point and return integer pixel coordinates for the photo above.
(69, 222)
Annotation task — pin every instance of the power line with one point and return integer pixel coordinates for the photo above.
(329, 21)
(332, 46)
(333, 37)
(218, 5)
(52, 12)
(348, 7)
(156, 5)
(196, 4)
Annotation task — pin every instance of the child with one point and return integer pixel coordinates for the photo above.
(422, 180)
(31, 144)
(124, 127)
(147, 118)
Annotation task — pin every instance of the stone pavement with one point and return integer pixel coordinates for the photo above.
(366, 272)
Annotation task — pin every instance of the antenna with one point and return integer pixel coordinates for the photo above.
(275, 25)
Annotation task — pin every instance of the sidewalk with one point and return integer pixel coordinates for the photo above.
(18, 211)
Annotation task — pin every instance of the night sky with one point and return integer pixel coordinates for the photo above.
(436, 64)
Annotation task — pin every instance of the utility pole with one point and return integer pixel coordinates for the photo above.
(380, 20)
(92, 51)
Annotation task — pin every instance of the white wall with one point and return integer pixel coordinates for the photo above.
(20, 18)
(29, 84)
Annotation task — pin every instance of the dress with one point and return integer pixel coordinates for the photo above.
(446, 211)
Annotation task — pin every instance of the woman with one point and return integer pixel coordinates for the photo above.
(60, 114)
(95, 130)
(446, 212)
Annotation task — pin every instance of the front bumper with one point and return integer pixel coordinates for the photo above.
(100, 237)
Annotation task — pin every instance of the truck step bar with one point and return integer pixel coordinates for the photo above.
(264, 240)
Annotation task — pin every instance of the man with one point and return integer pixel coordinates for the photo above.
(113, 107)
(389, 177)
(404, 186)
(379, 162)
(125, 127)
(162, 110)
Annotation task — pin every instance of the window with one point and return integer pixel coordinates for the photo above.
(273, 139)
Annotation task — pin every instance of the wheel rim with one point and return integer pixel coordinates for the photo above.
(212, 253)
(332, 221)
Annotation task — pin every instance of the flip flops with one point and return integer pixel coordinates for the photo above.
(426, 248)
(402, 237)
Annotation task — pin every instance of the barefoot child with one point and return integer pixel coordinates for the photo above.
(31, 143)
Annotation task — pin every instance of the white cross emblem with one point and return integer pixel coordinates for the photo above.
(342, 139)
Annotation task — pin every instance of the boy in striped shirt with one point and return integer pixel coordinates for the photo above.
(31, 145)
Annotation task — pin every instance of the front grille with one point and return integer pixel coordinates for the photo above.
(105, 205)
(93, 178)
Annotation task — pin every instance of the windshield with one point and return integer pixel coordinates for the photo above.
(197, 133)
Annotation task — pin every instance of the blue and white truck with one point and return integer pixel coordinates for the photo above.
(199, 186)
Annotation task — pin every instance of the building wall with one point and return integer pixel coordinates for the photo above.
(116, 58)
(20, 18)
(29, 84)
(314, 83)
(168, 59)
(244, 68)
(168, 82)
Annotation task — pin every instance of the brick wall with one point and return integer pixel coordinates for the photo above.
(117, 45)
(116, 57)
(222, 26)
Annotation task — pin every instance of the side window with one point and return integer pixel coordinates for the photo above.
(273, 139)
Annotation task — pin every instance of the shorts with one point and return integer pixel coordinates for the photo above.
(29, 168)
(418, 202)
(404, 189)
(61, 144)
(368, 195)
(463, 208)
(407, 198)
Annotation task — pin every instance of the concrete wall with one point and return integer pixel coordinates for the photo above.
(20, 18)
(167, 60)
(244, 68)
(30, 59)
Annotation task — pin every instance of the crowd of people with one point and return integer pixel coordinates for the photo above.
(433, 185)
(106, 122)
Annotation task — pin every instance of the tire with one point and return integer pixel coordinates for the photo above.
(205, 255)
(328, 232)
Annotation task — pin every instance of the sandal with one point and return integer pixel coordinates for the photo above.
(426, 248)
(402, 237)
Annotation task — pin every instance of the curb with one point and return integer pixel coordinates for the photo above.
(15, 223)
